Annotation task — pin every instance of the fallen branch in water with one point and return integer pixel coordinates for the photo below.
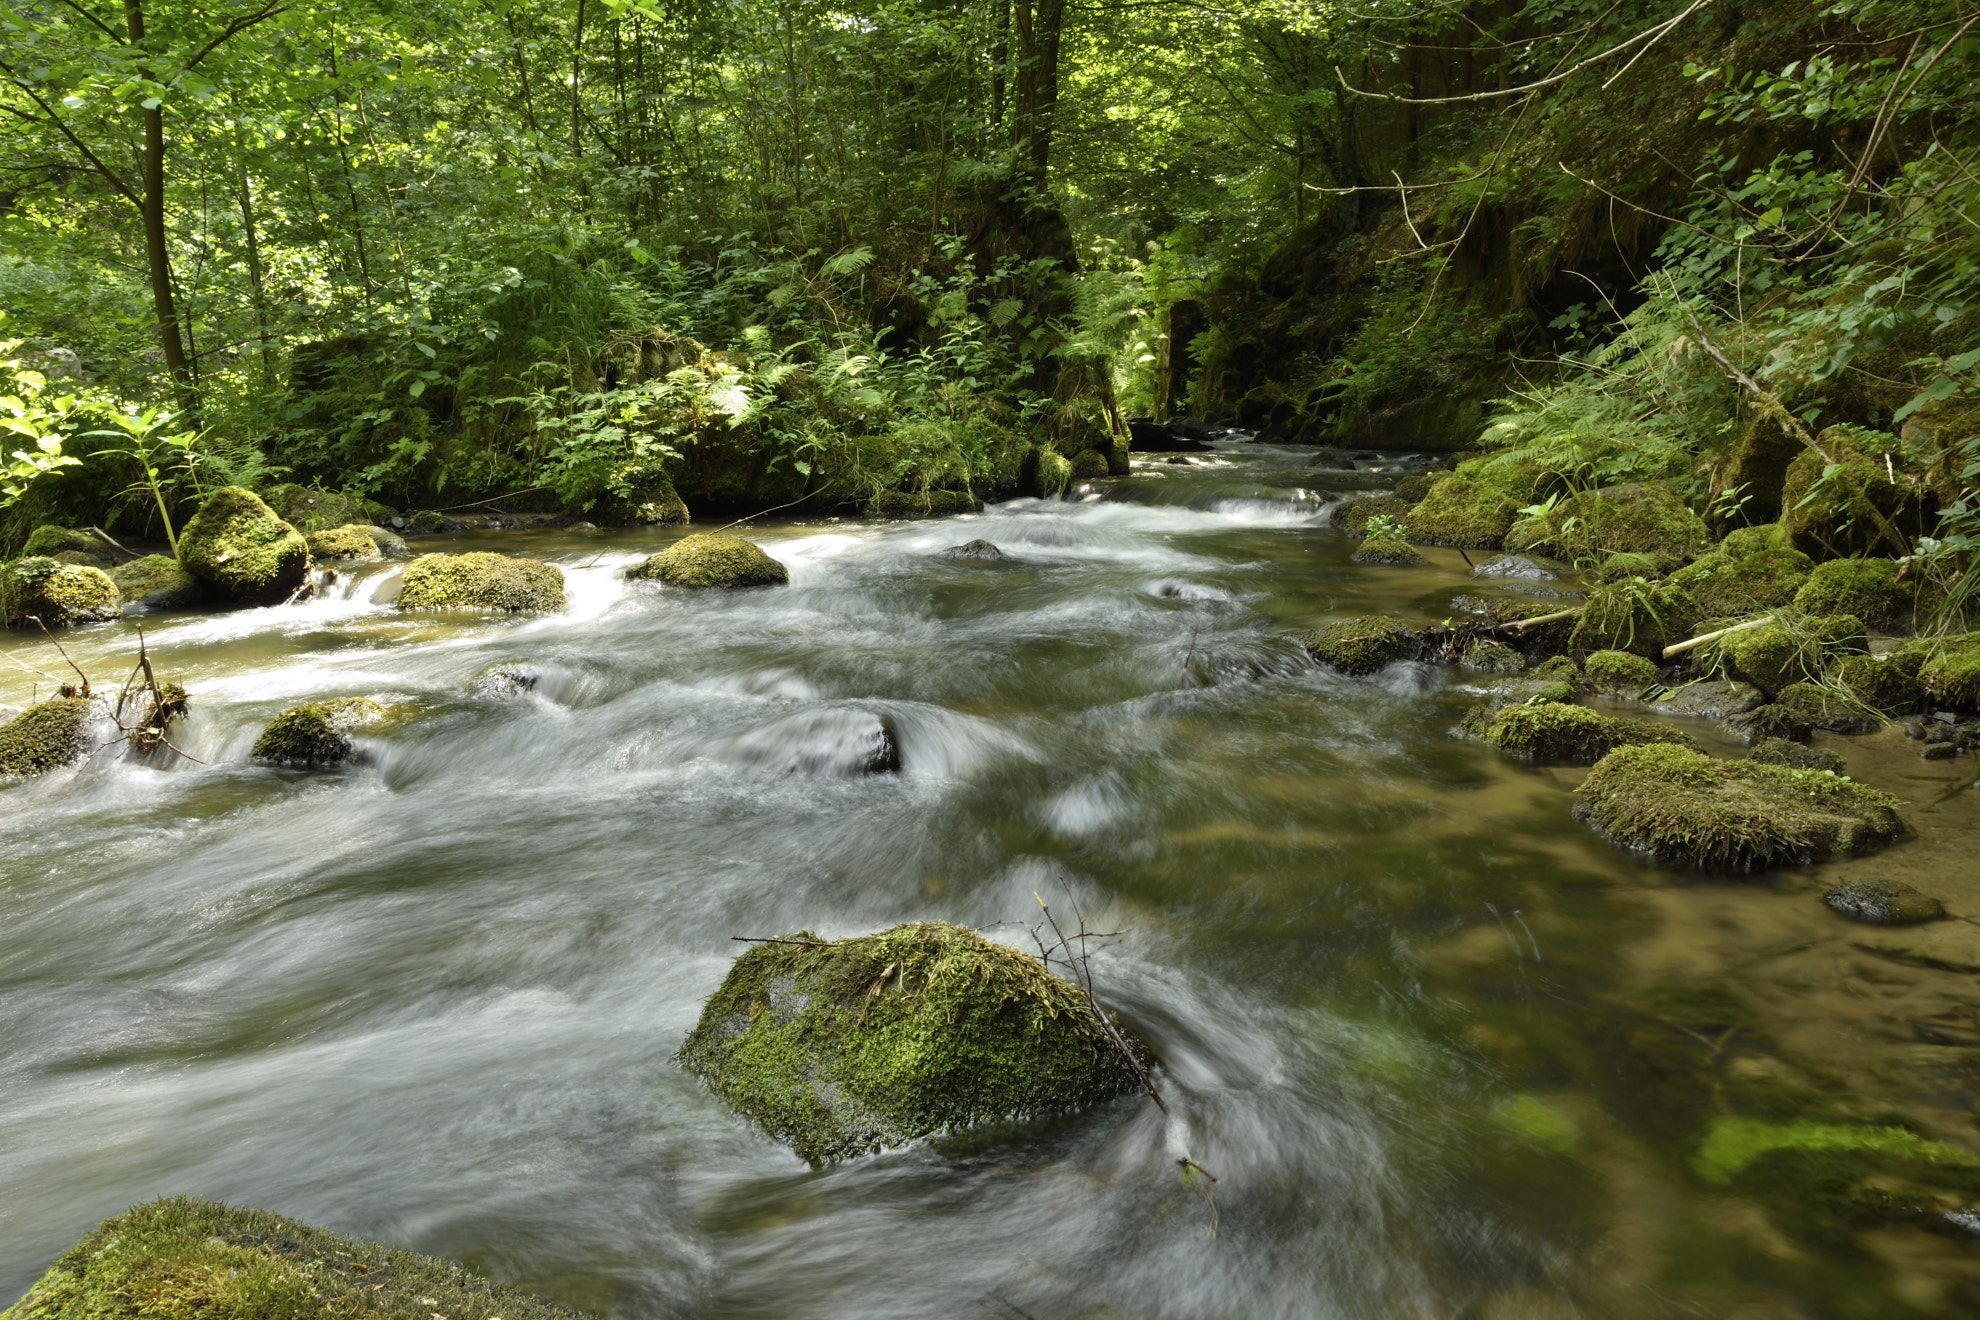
(1680, 648)
(1082, 975)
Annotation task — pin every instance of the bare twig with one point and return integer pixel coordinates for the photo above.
(1521, 625)
(763, 939)
(1681, 647)
(1082, 977)
(65, 655)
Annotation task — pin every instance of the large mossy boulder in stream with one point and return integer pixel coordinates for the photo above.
(843, 1047)
(1753, 569)
(242, 552)
(481, 580)
(316, 734)
(46, 736)
(1362, 645)
(1872, 590)
(708, 560)
(1555, 731)
(1677, 804)
(351, 542)
(193, 1259)
(1463, 512)
(1634, 518)
(60, 595)
(155, 582)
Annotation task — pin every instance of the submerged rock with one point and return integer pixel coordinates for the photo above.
(316, 733)
(1679, 805)
(1883, 903)
(60, 595)
(820, 742)
(1362, 645)
(481, 580)
(979, 549)
(506, 678)
(242, 552)
(193, 1259)
(46, 736)
(1388, 550)
(839, 1048)
(1793, 755)
(155, 582)
(708, 560)
(1553, 731)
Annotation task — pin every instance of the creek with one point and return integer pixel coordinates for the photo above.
(1448, 1052)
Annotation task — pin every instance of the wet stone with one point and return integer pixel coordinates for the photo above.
(1517, 567)
(1883, 903)
(977, 550)
(1474, 605)
(843, 743)
(1793, 755)
(509, 678)
(1714, 700)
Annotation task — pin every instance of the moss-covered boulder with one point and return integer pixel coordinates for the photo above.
(1781, 652)
(1626, 564)
(1828, 707)
(506, 679)
(707, 560)
(353, 541)
(60, 595)
(390, 544)
(1089, 464)
(1462, 512)
(242, 552)
(309, 510)
(1883, 903)
(192, 1259)
(1870, 589)
(155, 582)
(1771, 722)
(1747, 573)
(1793, 755)
(1485, 656)
(1863, 503)
(1362, 645)
(1637, 518)
(1635, 615)
(481, 580)
(1388, 550)
(642, 495)
(843, 1047)
(46, 736)
(69, 546)
(1679, 805)
(1619, 673)
(317, 733)
(1884, 685)
(1412, 488)
(1950, 671)
(1046, 473)
(1553, 731)
(1352, 517)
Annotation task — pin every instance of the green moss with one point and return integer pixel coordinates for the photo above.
(1362, 645)
(1734, 1143)
(1389, 551)
(1457, 511)
(1619, 673)
(1638, 518)
(309, 510)
(1775, 654)
(1088, 464)
(1554, 731)
(1864, 505)
(82, 547)
(1633, 615)
(1533, 1120)
(1412, 488)
(425, 522)
(909, 504)
(158, 581)
(60, 595)
(351, 541)
(238, 547)
(1880, 684)
(1353, 516)
(641, 495)
(1055, 473)
(1486, 656)
(1765, 539)
(1726, 585)
(184, 1258)
(1626, 564)
(46, 736)
(1679, 805)
(851, 1046)
(481, 580)
(316, 733)
(1868, 588)
(1952, 671)
(1826, 707)
(707, 560)
(1793, 755)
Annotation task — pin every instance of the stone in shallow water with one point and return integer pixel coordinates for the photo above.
(1517, 567)
(819, 742)
(1711, 700)
(1793, 755)
(978, 549)
(506, 678)
(1883, 903)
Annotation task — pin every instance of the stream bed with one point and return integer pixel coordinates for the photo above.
(1448, 1053)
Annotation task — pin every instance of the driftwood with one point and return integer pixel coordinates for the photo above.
(1679, 648)
(1521, 625)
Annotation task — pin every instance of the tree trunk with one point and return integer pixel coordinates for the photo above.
(151, 214)
(1037, 80)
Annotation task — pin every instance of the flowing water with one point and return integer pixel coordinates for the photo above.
(1447, 1052)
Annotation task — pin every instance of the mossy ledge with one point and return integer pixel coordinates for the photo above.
(194, 1259)
(481, 580)
(707, 560)
(1678, 805)
(1553, 731)
(844, 1047)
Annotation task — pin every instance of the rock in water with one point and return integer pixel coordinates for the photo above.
(351, 541)
(46, 736)
(845, 1047)
(481, 580)
(1519, 568)
(978, 549)
(316, 733)
(1678, 805)
(1779, 751)
(820, 742)
(1554, 731)
(1363, 645)
(1883, 903)
(60, 595)
(708, 560)
(506, 678)
(245, 554)
(155, 582)
(1390, 551)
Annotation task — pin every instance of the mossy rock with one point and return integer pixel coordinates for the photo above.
(1778, 653)
(69, 546)
(707, 560)
(1554, 731)
(1626, 564)
(1634, 615)
(349, 542)
(1396, 554)
(1828, 708)
(1881, 684)
(309, 510)
(1485, 656)
(1883, 903)
(839, 1048)
(1412, 488)
(1089, 464)
(1856, 509)
(481, 580)
(1637, 518)
(1618, 673)
(1726, 585)
(1951, 671)
(1460, 512)
(60, 595)
(192, 1259)
(1793, 755)
(46, 736)
(425, 522)
(506, 679)
(649, 499)
(156, 582)
(1762, 539)
(1772, 722)
(1868, 588)
(390, 544)
(1052, 474)
(1352, 517)
(317, 733)
(242, 552)
(1680, 805)
(1119, 460)
(903, 505)
(1362, 645)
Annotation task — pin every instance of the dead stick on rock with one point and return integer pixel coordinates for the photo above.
(1680, 648)
(1083, 979)
(1520, 625)
(763, 939)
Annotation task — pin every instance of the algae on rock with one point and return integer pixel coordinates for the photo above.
(60, 595)
(238, 547)
(480, 579)
(708, 560)
(1462, 512)
(316, 733)
(185, 1258)
(1679, 805)
(46, 736)
(1553, 731)
(1362, 645)
(839, 1048)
